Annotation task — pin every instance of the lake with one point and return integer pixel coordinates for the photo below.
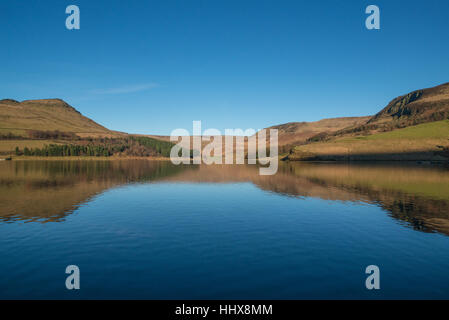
(152, 230)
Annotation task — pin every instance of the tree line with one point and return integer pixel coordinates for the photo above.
(103, 147)
(57, 150)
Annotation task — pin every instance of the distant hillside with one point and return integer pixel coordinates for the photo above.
(294, 133)
(47, 115)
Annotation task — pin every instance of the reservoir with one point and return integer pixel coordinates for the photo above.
(152, 230)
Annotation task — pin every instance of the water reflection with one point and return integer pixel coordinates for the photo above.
(50, 190)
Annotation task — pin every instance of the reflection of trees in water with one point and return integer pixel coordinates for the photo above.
(115, 171)
(49, 190)
(417, 211)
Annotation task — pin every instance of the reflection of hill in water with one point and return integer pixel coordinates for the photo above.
(418, 196)
(48, 191)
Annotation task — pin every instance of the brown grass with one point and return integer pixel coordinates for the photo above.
(47, 114)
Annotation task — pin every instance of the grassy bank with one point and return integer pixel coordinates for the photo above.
(89, 158)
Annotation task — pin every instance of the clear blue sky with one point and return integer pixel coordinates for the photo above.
(153, 66)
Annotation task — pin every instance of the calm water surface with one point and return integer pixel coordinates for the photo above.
(142, 229)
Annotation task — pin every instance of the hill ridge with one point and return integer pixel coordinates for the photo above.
(46, 115)
(418, 106)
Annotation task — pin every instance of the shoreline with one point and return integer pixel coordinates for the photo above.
(87, 158)
(355, 162)
(425, 156)
(404, 163)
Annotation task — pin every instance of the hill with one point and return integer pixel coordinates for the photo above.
(416, 107)
(427, 141)
(47, 115)
(410, 127)
(296, 133)
(53, 128)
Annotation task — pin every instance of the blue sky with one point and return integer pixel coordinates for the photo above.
(153, 66)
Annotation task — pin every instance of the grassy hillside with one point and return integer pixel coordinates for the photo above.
(298, 132)
(428, 141)
(420, 106)
(411, 127)
(52, 128)
(431, 130)
(47, 115)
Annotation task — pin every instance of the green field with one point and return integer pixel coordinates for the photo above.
(432, 130)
